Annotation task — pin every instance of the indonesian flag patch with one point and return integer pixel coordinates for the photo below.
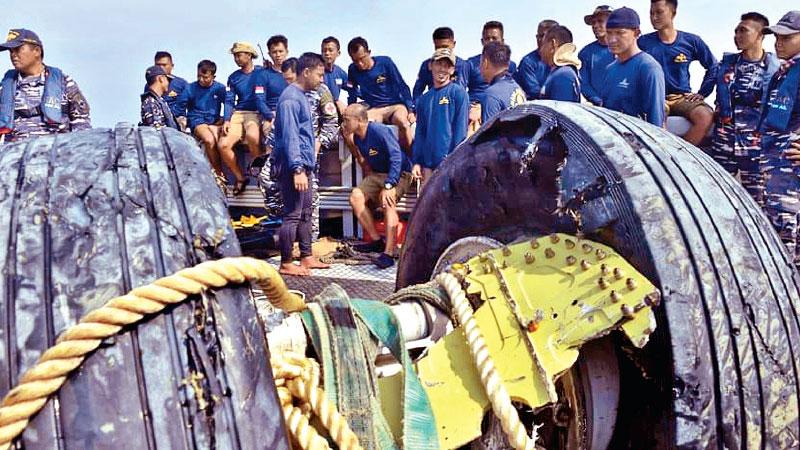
(259, 89)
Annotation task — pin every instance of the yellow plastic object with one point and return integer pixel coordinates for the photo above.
(247, 221)
(540, 301)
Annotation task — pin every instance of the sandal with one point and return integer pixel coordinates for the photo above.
(239, 186)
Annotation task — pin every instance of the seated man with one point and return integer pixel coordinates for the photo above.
(634, 81)
(202, 101)
(595, 57)
(245, 107)
(335, 76)
(388, 181)
(272, 77)
(378, 82)
(492, 32)
(176, 86)
(442, 116)
(443, 37)
(558, 52)
(155, 111)
(533, 70)
(503, 92)
(675, 50)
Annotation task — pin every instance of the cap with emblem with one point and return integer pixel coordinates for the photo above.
(623, 18)
(789, 24)
(154, 72)
(19, 36)
(244, 47)
(444, 53)
(602, 9)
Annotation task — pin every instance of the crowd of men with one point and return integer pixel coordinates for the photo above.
(294, 108)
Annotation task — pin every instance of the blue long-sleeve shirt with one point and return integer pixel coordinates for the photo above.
(274, 84)
(531, 74)
(502, 94)
(442, 118)
(176, 86)
(636, 87)
(336, 80)
(595, 58)
(675, 59)
(245, 92)
(477, 85)
(382, 85)
(382, 150)
(425, 76)
(202, 104)
(563, 84)
(294, 132)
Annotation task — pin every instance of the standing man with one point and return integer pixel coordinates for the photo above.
(388, 181)
(780, 127)
(278, 50)
(245, 107)
(335, 76)
(742, 82)
(272, 78)
(634, 83)
(492, 32)
(675, 50)
(36, 99)
(532, 71)
(596, 56)
(442, 116)
(503, 92)
(294, 163)
(177, 85)
(380, 85)
(202, 101)
(443, 37)
(155, 110)
(559, 53)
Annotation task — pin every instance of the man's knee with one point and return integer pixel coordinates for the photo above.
(357, 197)
(702, 116)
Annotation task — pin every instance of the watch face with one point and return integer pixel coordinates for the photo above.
(388, 186)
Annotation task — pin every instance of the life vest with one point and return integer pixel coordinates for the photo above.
(778, 108)
(51, 98)
(726, 76)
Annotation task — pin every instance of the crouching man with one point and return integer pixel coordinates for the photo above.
(389, 178)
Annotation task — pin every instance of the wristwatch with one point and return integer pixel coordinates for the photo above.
(388, 186)
(299, 170)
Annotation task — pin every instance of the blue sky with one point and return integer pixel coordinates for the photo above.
(106, 46)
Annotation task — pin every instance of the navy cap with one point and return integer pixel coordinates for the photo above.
(152, 72)
(19, 36)
(602, 9)
(623, 18)
(789, 24)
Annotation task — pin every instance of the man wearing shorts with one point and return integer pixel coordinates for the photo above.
(378, 82)
(245, 107)
(675, 50)
(389, 178)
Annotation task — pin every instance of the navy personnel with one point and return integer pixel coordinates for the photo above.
(155, 110)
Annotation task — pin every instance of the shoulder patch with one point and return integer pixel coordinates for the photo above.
(329, 108)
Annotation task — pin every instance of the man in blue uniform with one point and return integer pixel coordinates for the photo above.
(780, 127)
(155, 110)
(245, 107)
(596, 56)
(388, 181)
(36, 99)
(379, 84)
(272, 78)
(634, 83)
(294, 162)
(177, 84)
(492, 32)
(335, 76)
(532, 71)
(202, 101)
(742, 81)
(559, 53)
(442, 116)
(675, 50)
(443, 37)
(503, 92)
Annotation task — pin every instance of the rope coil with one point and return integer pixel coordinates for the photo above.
(492, 383)
(74, 344)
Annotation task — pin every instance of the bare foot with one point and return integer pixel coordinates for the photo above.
(292, 269)
(311, 262)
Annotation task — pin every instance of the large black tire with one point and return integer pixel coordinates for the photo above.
(722, 368)
(88, 216)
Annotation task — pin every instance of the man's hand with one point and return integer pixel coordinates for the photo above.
(416, 171)
(695, 98)
(182, 123)
(388, 198)
(474, 113)
(412, 117)
(301, 181)
(793, 153)
(226, 128)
